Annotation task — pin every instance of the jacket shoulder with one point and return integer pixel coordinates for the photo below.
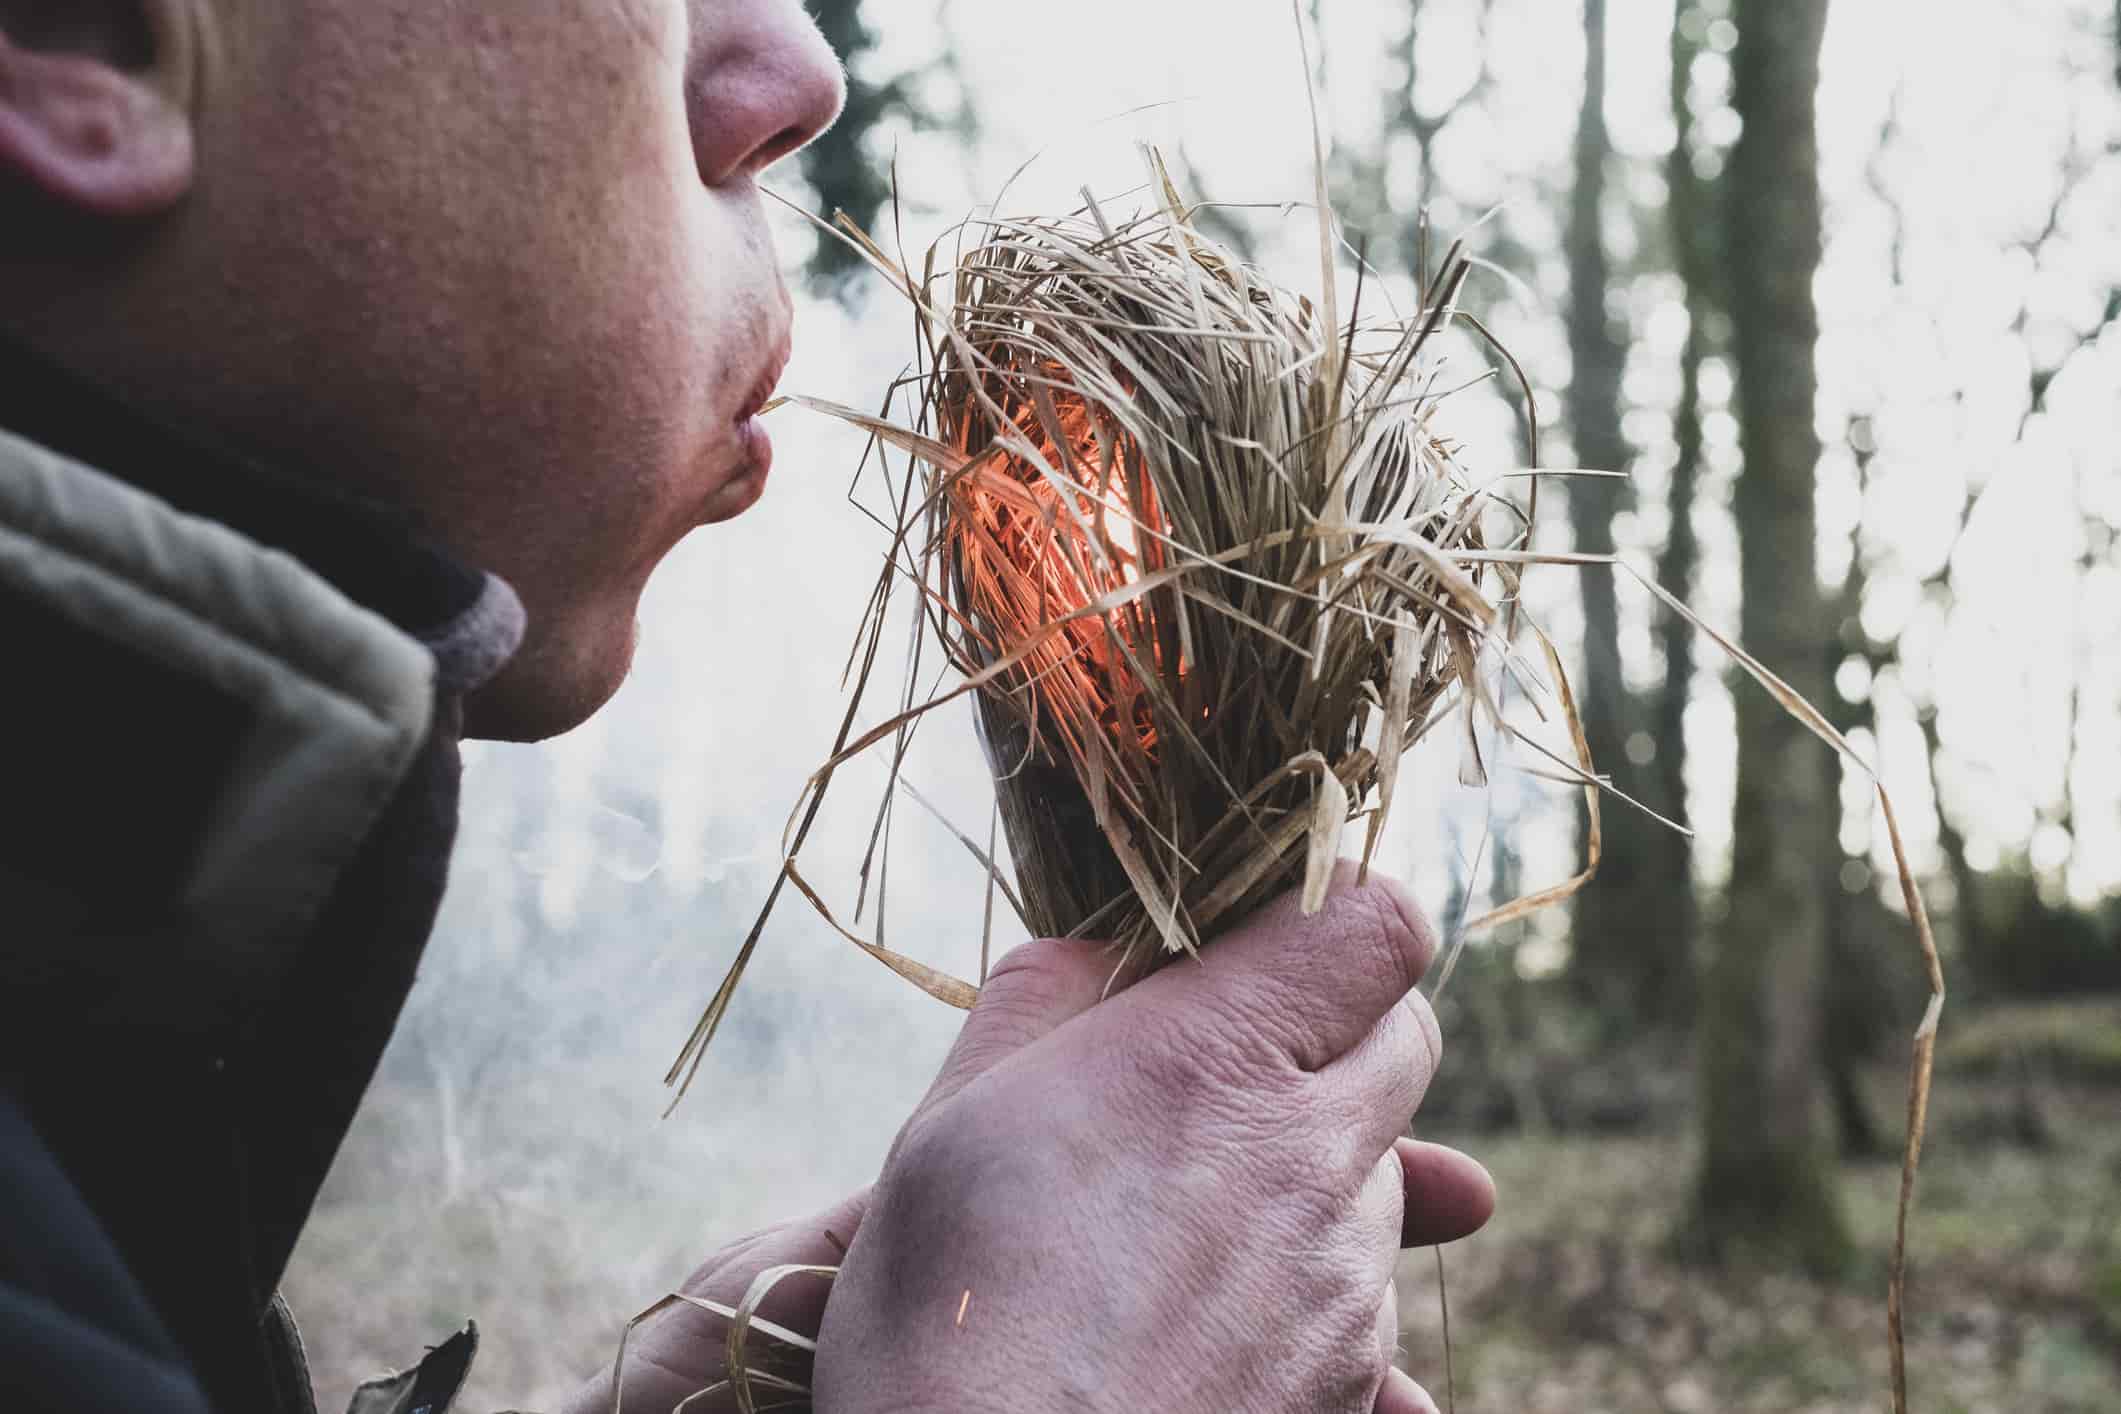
(197, 735)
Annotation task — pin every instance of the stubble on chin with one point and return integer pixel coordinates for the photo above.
(561, 676)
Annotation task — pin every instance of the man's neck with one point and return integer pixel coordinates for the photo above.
(373, 554)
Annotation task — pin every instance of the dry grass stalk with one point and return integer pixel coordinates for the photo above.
(1208, 567)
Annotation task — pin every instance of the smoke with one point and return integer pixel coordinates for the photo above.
(512, 1163)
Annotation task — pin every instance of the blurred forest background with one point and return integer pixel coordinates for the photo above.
(1838, 284)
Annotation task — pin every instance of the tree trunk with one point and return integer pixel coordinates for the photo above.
(1766, 1184)
(1856, 998)
(1691, 228)
(1626, 954)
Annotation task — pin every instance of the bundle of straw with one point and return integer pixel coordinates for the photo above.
(1189, 543)
(1209, 567)
(1203, 557)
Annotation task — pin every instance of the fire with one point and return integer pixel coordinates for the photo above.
(1044, 535)
(1121, 535)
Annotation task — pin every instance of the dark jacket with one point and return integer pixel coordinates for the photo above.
(229, 717)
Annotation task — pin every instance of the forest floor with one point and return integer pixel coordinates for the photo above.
(1572, 1300)
(1569, 1300)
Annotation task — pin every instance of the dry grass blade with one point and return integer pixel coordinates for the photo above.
(787, 1371)
(745, 1319)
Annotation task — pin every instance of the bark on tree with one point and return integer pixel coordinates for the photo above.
(1766, 1185)
(1624, 961)
(1691, 227)
(1857, 998)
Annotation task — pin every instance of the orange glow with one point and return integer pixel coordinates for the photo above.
(1120, 532)
(1031, 558)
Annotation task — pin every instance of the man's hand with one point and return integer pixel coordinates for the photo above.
(1189, 1197)
(679, 1352)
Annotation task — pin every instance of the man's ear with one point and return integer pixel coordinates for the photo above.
(95, 103)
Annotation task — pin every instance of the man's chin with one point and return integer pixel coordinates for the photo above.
(546, 689)
(735, 496)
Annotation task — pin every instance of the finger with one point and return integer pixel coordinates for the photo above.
(819, 1240)
(1380, 1208)
(1388, 1324)
(685, 1338)
(1400, 1395)
(1029, 993)
(1315, 986)
(1447, 1194)
(1381, 1080)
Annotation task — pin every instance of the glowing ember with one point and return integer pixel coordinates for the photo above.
(1119, 530)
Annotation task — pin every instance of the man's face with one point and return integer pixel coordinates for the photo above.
(505, 263)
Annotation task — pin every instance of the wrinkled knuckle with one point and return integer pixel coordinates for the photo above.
(1409, 1049)
(936, 1140)
(1354, 1320)
(1009, 1007)
(1384, 1201)
(1027, 975)
(1033, 983)
(1394, 933)
(1197, 1057)
(1350, 1324)
(1266, 1018)
(1275, 1027)
(1207, 1083)
(1373, 1368)
(1343, 1109)
(1318, 1190)
(913, 1147)
(1336, 1296)
(1241, 1038)
(1425, 1034)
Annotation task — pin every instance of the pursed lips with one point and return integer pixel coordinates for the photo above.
(755, 447)
(769, 378)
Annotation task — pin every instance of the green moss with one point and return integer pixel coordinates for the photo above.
(2078, 1037)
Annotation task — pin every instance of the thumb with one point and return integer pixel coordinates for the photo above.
(1031, 991)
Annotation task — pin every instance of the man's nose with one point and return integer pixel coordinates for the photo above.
(760, 83)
